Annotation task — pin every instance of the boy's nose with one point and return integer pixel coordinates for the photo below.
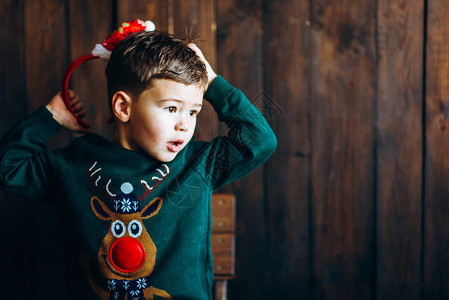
(181, 126)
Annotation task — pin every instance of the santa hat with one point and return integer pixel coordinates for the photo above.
(103, 51)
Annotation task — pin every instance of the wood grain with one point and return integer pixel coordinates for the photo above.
(399, 149)
(342, 132)
(286, 61)
(436, 207)
(12, 64)
(153, 10)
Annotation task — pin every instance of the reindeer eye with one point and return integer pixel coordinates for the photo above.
(118, 228)
(135, 228)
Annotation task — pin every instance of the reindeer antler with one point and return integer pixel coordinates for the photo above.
(90, 174)
(157, 181)
(94, 169)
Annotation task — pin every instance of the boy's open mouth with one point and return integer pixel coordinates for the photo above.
(175, 146)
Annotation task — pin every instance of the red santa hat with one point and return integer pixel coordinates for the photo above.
(103, 51)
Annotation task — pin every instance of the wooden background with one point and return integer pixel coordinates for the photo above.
(353, 204)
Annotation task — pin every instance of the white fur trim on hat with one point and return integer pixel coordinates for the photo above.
(101, 52)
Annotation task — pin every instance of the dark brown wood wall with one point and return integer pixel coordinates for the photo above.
(353, 204)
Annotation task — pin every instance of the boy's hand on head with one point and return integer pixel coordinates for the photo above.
(63, 116)
(210, 72)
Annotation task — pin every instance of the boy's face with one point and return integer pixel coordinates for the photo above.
(163, 119)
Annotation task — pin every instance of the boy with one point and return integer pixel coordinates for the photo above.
(136, 213)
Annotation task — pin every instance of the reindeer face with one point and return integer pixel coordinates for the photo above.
(127, 251)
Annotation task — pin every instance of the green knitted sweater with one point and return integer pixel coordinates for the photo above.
(134, 227)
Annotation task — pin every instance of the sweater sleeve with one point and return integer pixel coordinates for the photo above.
(249, 141)
(25, 165)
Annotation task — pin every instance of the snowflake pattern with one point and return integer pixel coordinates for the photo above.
(126, 205)
(142, 283)
(111, 285)
(128, 289)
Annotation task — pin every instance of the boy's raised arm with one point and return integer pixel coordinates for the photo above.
(250, 140)
(26, 167)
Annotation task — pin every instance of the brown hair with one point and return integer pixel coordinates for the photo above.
(142, 57)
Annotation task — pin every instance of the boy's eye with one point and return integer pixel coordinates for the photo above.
(193, 113)
(171, 109)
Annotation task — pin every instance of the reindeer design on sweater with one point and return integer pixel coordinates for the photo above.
(127, 254)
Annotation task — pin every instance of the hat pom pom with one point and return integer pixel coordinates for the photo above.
(149, 26)
(101, 52)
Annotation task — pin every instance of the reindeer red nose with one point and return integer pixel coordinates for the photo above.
(127, 254)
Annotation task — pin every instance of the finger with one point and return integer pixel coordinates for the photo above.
(74, 100)
(77, 107)
(76, 104)
(81, 114)
(72, 94)
(195, 48)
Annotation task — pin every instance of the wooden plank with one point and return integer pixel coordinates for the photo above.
(185, 15)
(12, 64)
(46, 59)
(342, 109)
(153, 10)
(286, 58)
(14, 211)
(399, 149)
(436, 242)
(90, 23)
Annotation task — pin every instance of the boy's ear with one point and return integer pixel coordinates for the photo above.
(121, 106)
